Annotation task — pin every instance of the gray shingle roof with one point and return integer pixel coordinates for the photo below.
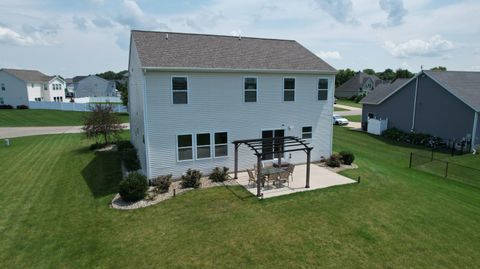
(183, 50)
(463, 84)
(28, 75)
(356, 82)
(382, 91)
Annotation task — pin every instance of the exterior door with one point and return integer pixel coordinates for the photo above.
(268, 147)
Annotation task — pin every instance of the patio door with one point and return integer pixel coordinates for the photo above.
(268, 147)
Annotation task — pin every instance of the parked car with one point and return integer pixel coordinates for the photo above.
(339, 120)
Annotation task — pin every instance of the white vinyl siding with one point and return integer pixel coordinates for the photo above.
(288, 89)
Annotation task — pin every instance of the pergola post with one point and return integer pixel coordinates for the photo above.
(236, 161)
(307, 184)
(259, 175)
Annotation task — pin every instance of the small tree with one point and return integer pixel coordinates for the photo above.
(102, 122)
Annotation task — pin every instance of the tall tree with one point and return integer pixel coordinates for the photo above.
(123, 89)
(439, 68)
(369, 71)
(403, 73)
(102, 122)
(388, 75)
(343, 75)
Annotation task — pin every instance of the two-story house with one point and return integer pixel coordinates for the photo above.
(360, 84)
(192, 95)
(19, 86)
(94, 86)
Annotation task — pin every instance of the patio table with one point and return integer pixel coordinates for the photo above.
(268, 171)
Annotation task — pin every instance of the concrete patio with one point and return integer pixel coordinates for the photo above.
(320, 178)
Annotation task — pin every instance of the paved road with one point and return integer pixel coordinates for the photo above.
(351, 110)
(11, 132)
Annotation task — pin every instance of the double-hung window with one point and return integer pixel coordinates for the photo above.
(322, 89)
(289, 89)
(184, 147)
(180, 90)
(250, 90)
(3, 86)
(221, 144)
(307, 132)
(203, 146)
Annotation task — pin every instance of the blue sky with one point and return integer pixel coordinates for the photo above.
(88, 36)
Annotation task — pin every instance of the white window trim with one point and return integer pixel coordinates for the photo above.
(226, 144)
(244, 90)
(317, 89)
(192, 146)
(294, 90)
(302, 132)
(187, 91)
(209, 146)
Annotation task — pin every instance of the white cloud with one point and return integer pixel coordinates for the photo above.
(335, 55)
(98, 2)
(433, 47)
(80, 22)
(11, 37)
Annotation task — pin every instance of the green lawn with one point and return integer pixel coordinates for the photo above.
(357, 118)
(54, 213)
(347, 102)
(40, 117)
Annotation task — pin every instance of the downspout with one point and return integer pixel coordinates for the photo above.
(145, 125)
(474, 131)
(414, 105)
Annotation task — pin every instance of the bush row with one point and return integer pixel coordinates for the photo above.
(11, 107)
(412, 138)
(345, 157)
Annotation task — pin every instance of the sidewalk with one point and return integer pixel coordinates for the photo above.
(11, 132)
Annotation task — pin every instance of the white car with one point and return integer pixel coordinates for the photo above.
(339, 120)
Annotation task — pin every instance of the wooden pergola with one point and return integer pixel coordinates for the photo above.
(279, 146)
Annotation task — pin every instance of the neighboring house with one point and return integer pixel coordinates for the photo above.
(191, 95)
(94, 86)
(19, 86)
(445, 104)
(359, 84)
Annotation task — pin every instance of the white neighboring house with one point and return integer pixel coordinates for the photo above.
(191, 95)
(19, 86)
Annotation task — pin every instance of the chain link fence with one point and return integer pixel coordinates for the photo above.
(446, 169)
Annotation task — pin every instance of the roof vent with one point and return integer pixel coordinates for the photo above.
(166, 36)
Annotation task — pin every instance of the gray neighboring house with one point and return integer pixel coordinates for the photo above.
(441, 103)
(94, 86)
(361, 83)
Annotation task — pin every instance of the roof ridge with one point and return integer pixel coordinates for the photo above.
(215, 35)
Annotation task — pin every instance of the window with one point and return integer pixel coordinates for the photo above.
(3, 86)
(38, 99)
(184, 146)
(32, 85)
(203, 146)
(180, 90)
(221, 144)
(322, 89)
(45, 87)
(307, 132)
(288, 89)
(1, 100)
(250, 87)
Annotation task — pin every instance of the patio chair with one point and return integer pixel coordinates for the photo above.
(251, 177)
(283, 177)
(290, 169)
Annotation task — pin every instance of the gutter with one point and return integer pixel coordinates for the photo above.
(237, 70)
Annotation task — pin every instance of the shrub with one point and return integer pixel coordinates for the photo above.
(191, 179)
(347, 157)
(219, 174)
(334, 161)
(22, 107)
(358, 98)
(133, 187)
(6, 107)
(130, 159)
(162, 183)
(124, 144)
